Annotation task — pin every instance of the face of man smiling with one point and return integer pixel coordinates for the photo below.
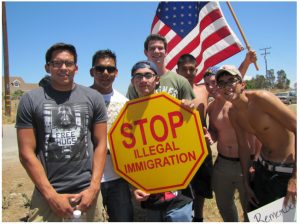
(156, 52)
(144, 81)
(230, 86)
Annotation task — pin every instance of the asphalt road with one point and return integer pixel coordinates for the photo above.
(9, 142)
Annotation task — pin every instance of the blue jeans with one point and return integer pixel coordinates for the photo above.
(182, 214)
(117, 198)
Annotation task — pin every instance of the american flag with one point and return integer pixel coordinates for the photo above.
(197, 28)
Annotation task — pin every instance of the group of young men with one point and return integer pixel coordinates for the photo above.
(62, 136)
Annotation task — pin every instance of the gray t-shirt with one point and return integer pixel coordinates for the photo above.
(63, 123)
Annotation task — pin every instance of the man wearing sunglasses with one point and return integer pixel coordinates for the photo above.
(114, 189)
(227, 173)
(262, 114)
(168, 206)
(61, 132)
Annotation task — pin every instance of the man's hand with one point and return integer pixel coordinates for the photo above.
(140, 195)
(188, 104)
(207, 136)
(86, 198)
(251, 196)
(60, 204)
(291, 191)
(251, 57)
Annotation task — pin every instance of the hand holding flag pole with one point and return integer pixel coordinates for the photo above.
(241, 31)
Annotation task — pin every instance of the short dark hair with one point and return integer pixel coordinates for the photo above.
(152, 37)
(104, 54)
(186, 58)
(61, 47)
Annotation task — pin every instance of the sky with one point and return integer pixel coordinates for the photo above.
(123, 26)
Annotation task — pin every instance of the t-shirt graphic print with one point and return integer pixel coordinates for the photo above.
(66, 132)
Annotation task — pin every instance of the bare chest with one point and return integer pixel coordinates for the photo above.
(220, 118)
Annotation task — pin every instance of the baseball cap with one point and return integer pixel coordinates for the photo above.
(231, 69)
(144, 64)
(211, 71)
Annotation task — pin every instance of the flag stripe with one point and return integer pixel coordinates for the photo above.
(197, 28)
(216, 58)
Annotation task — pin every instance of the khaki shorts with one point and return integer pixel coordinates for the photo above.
(40, 211)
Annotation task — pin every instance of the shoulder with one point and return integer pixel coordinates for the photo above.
(86, 90)
(259, 95)
(34, 92)
(117, 96)
(33, 95)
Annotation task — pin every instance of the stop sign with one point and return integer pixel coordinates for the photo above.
(156, 144)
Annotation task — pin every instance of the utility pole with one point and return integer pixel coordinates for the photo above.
(6, 64)
(266, 63)
(265, 57)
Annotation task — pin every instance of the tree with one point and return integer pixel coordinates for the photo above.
(270, 78)
(17, 94)
(282, 81)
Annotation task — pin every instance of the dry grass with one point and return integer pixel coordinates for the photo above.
(10, 119)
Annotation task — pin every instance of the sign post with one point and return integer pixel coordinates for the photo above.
(156, 144)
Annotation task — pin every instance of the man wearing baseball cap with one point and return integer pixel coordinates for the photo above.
(226, 175)
(262, 114)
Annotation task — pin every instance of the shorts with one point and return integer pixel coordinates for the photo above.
(201, 182)
(40, 210)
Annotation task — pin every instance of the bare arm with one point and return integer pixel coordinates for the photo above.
(100, 144)
(201, 101)
(59, 203)
(212, 130)
(244, 155)
(250, 58)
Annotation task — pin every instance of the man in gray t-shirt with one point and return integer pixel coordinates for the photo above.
(61, 131)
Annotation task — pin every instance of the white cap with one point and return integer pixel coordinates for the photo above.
(77, 214)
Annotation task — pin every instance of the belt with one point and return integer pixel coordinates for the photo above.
(274, 168)
(232, 159)
(229, 158)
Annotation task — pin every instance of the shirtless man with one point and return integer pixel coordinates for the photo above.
(262, 114)
(227, 174)
(201, 183)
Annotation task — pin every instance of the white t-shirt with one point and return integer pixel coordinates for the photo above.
(115, 102)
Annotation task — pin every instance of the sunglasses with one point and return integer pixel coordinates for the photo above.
(230, 83)
(140, 76)
(101, 69)
(59, 64)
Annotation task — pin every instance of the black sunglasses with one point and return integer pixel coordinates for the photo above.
(101, 69)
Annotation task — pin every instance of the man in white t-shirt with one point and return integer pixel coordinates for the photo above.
(114, 189)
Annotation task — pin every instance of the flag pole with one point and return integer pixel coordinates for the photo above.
(6, 68)
(241, 31)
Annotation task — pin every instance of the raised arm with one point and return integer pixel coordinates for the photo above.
(59, 203)
(250, 58)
